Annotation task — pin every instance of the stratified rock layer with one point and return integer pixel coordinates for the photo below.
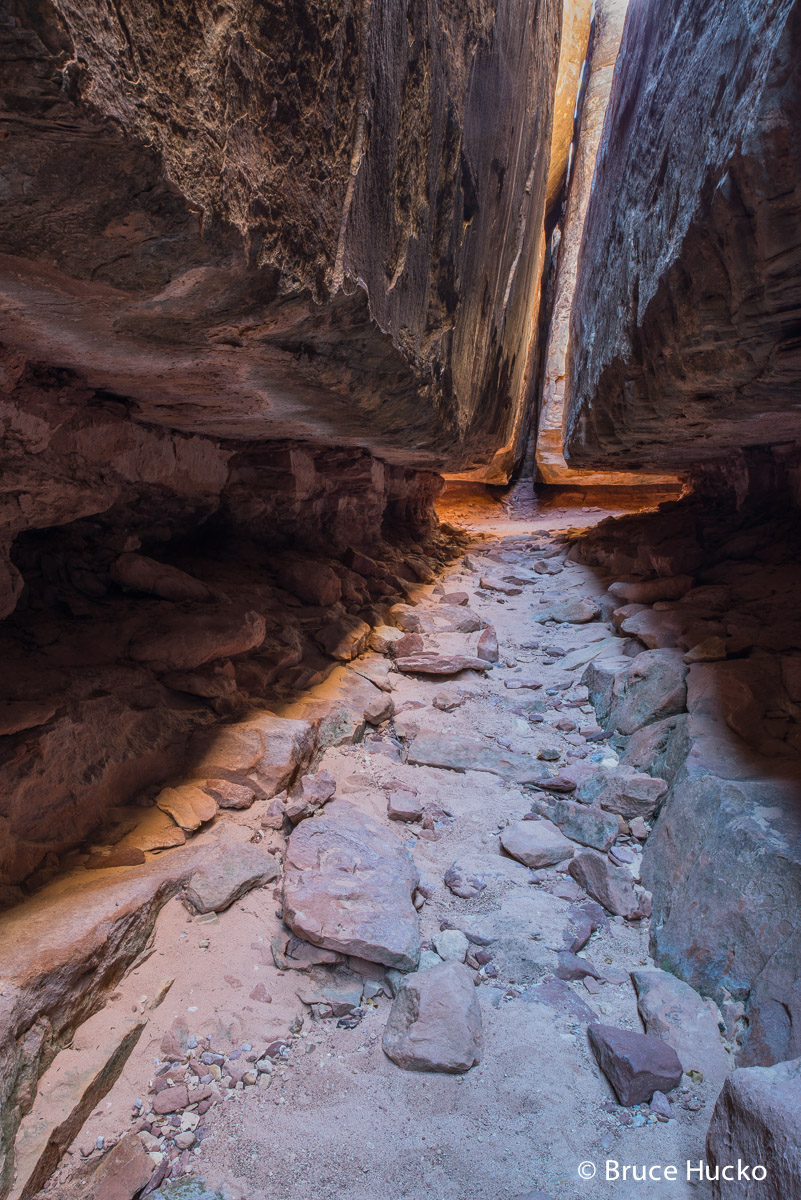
(684, 332)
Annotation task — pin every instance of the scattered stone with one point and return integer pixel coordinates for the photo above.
(123, 1172)
(340, 988)
(558, 995)
(435, 1021)
(463, 881)
(549, 754)
(404, 806)
(311, 581)
(625, 791)
(315, 791)
(487, 647)
(451, 945)
(348, 886)
(182, 641)
(455, 598)
(275, 815)
(188, 805)
(448, 701)
(573, 612)
(611, 886)
(536, 844)
(500, 585)
(650, 590)
(234, 871)
(635, 1064)
(271, 749)
(711, 649)
(579, 822)
(380, 709)
(170, 1100)
(571, 967)
(660, 1105)
(757, 1119)
(639, 829)
(383, 637)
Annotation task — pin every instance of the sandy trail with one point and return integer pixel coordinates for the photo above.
(338, 1120)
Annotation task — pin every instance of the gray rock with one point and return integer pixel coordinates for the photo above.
(579, 822)
(757, 1119)
(536, 844)
(348, 886)
(611, 886)
(464, 753)
(635, 1064)
(573, 612)
(625, 791)
(451, 945)
(435, 1021)
(651, 687)
(234, 872)
(672, 1010)
(337, 987)
(429, 958)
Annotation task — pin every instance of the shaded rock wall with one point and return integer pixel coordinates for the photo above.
(723, 859)
(684, 330)
(269, 221)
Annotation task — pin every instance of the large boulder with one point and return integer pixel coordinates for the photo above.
(757, 1121)
(348, 886)
(435, 1021)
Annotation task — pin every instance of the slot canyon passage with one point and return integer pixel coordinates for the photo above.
(400, 773)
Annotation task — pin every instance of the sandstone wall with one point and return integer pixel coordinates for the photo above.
(265, 221)
(684, 329)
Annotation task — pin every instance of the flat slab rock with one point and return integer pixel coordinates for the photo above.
(635, 1064)
(463, 753)
(430, 663)
(757, 1118)
(348, 885)
(232, 873)
(435, 1021)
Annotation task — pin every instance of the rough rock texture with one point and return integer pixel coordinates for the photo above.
(723, 861)
(348, 886)
(672, 1010)
(60, 954)
(689, 349)
(435, 1021)
(305, 223)
(536, 843)
(756, 1120)
(232, 873)
(576, 25)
